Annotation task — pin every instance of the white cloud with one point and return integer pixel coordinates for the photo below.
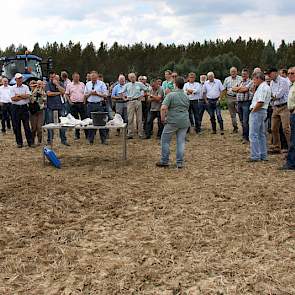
(150, 21)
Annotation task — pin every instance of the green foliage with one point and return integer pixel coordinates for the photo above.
(146, 59)
(220, 65)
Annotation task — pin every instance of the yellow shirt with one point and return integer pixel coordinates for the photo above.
(291, 98)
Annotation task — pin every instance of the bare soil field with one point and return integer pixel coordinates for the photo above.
(101, 226)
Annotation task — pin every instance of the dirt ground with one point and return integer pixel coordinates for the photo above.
(100, 226)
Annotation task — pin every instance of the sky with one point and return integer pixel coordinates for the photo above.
(149, 21)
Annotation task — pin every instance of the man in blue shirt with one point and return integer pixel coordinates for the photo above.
(121, 104)
(54, 90)
(95, 94)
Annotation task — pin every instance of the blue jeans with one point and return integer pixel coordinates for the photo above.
(291, 153)
(244, 113)
(257, 135)
(213, 107)
(169, 130)
(49, 119)
(96, 107)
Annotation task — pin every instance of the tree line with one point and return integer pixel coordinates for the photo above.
(153, 60)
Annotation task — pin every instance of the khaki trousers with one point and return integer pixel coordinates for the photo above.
(280, 115)
(134, 108)
(232, 108)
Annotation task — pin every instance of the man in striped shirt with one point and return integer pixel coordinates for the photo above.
(229, 84)
(244, 98)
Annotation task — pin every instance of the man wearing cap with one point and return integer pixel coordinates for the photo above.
(20, 97)
(229, 84)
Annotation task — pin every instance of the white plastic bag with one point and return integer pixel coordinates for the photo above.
(117, 121)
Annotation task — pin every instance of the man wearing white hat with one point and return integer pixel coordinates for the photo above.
(20, 112)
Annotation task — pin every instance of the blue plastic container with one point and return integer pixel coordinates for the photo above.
(52, 158)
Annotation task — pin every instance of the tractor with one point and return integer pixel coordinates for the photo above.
(32, 67)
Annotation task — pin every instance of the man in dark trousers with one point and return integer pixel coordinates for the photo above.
(20, 97)
(54, 90)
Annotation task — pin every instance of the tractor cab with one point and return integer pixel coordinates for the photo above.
(30, 66)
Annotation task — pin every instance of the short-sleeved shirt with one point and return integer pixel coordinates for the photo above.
(168, 85)
(213, 89)
(75, 91)
(197, 90)
(279, 89)
(20, 90)
(156, 105)
(245, 96)
(134, 90)
(231, 82)
(53, 102)
(117, 91)
(262, 94)
(5, 94)
(178, 106)
(98, 86)
(291, 98)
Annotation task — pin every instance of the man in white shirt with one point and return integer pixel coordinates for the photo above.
(280, 116)
(193, 90)
(95, 94)
(203, 104)
(213, 89)
(229, 83)
(5, 105)
(258, 115)
(20, 96)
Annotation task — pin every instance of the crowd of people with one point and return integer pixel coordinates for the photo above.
(263, 101)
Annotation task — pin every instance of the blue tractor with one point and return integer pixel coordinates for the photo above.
(32, 67)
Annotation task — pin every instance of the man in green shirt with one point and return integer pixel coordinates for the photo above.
(132, 93)
(168, 84)
(174, 112)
